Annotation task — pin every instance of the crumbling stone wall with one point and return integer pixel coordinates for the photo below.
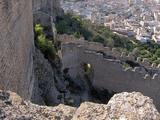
(16, 46)
(107, 67)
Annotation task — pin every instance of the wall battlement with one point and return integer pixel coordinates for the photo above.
(147, 70)
(108, 70)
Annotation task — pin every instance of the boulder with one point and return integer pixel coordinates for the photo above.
(122, 106)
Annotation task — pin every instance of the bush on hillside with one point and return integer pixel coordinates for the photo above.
(46, 46)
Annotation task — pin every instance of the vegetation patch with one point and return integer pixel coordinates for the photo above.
(45, 45)
(126, 66)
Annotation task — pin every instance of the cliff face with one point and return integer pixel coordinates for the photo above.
(45, 91)
(18, 72)
(50, 7)
(44, 9)
(16, 46)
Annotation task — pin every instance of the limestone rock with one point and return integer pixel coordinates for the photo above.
(132, 106)
(43, 9)
(27, 111)
(91, 111)
(44, 85)
(16, 46)
(123, 106)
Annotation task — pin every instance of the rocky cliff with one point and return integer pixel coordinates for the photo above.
(18, 72)
(45, 91)
(45, 10)
(123, 106)
(16, 46)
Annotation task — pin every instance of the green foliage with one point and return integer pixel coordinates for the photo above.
(41, 42)
(77, 34)
(109, 42)
(61, 27)
(45, 45)
(157, 61)
(38, 29)
(157, 53)
(98, 38)
(72, 25)
(126, 66)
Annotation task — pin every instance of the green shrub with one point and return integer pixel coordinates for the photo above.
(41, 42)
(77, 34)
(73, 25)
(98, 38)
(157, 53)
(38, 29)
(157, 62)
(126, 66)
(109, 42)
(46, 46)
(50, 49)
(62, 27)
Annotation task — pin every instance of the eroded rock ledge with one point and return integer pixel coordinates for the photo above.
(122, 106)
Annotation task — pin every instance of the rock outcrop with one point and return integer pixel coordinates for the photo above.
(45, 13)
(12, 107)
(123, 106)
(44, 10)
(17, 50)
(45, 91)
(16, 46)
(132, 106)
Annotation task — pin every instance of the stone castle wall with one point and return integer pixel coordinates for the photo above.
(16, 46)
(108, 72)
